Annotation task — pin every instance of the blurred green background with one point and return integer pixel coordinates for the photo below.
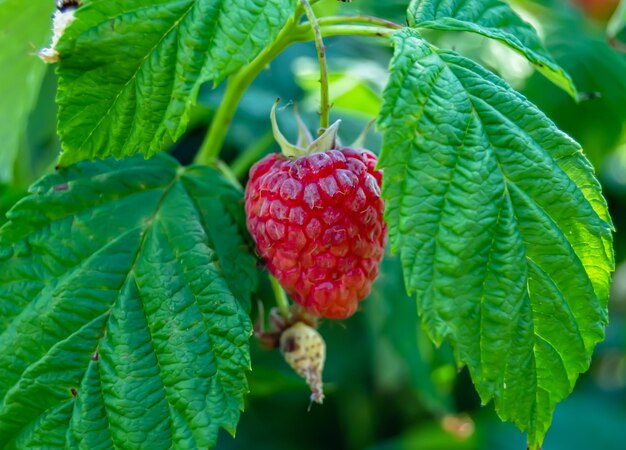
(387, 386)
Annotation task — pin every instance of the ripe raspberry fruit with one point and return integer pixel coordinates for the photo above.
(317, 221)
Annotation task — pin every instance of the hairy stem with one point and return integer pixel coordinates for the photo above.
(321, 56)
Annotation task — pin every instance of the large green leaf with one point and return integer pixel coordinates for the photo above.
(130, 70)
(24, 28)
(503, 232)
(494, 19)
(118, 324)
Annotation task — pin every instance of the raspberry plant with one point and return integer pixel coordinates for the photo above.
(126, 278)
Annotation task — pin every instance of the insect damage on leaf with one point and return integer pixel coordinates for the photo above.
(63, 18)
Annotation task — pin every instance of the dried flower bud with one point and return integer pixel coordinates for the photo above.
(304, 350)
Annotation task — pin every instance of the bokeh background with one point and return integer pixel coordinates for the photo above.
(387, 386)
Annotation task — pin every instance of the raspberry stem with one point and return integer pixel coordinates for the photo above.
(281, 297)
(321, 57)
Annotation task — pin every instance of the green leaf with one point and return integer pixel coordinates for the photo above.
(24, 28)
(503, 232)
(494, 19)
(118, 323)
(130, 71)
(616, 29)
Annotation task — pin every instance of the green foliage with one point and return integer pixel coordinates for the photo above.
(125, 286)
(488, 202)
(123, 308)
(142, 62)
(24, 28)
(496, 20)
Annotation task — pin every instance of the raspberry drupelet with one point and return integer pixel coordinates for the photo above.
(317, 221)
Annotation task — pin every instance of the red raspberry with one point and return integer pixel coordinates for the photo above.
(318, 223)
